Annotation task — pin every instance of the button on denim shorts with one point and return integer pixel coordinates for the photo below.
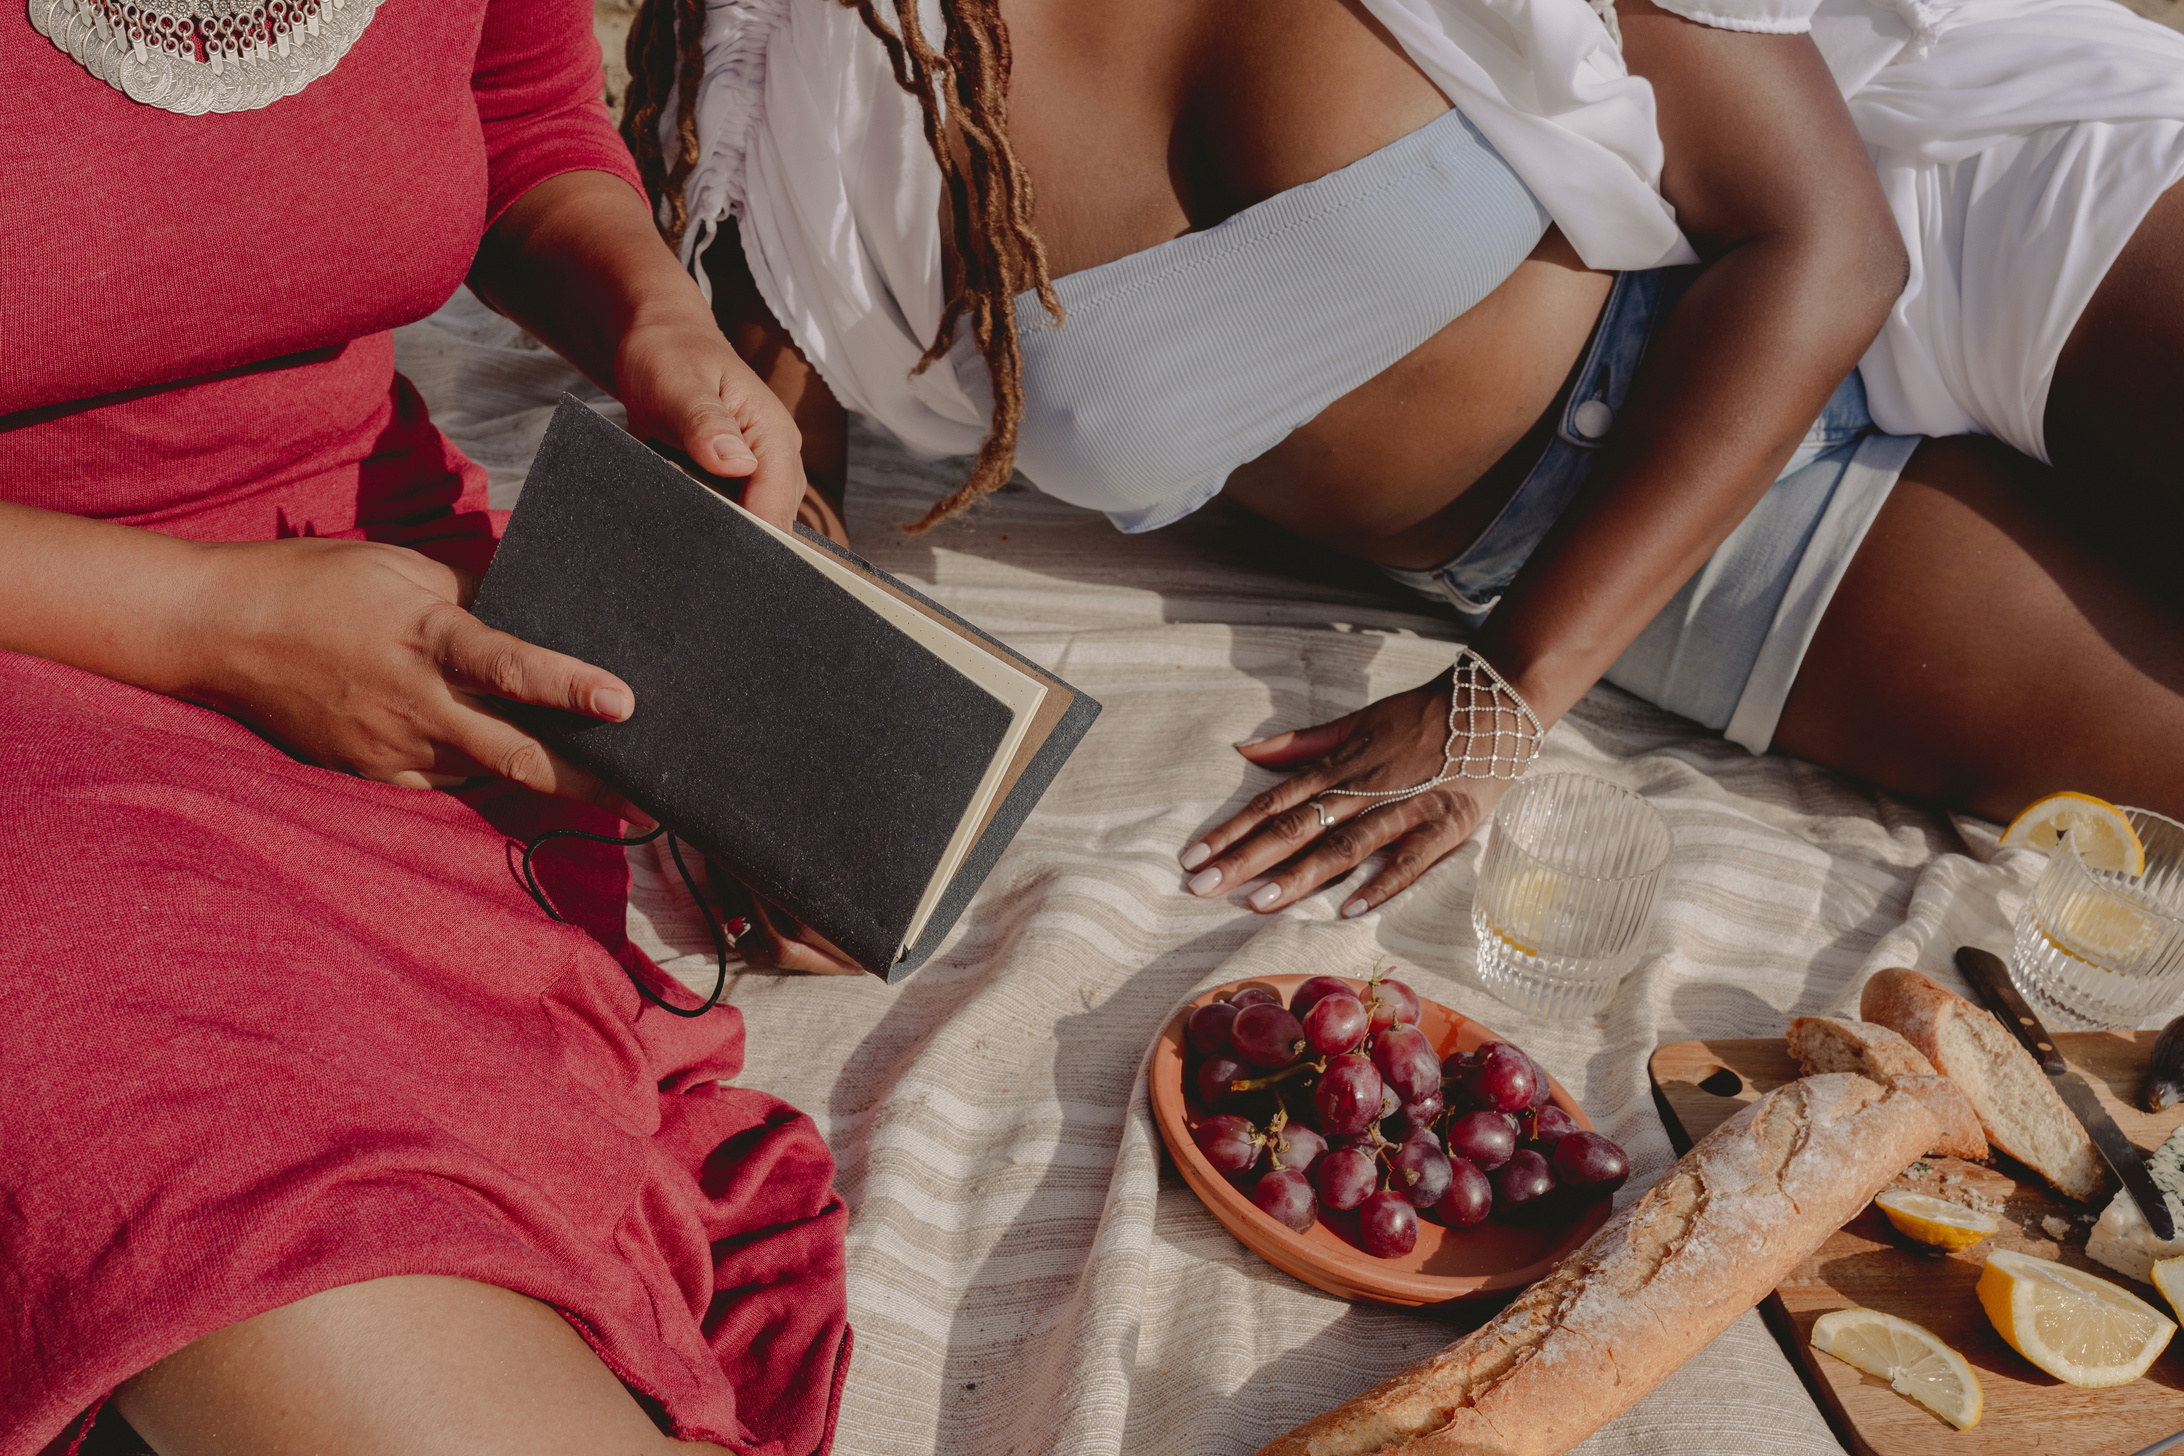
(1725, 651)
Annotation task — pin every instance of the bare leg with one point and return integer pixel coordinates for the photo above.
(2111, 414)
(1976, 655)
(411, 1366)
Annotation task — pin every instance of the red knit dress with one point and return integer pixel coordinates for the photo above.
(269, 1029)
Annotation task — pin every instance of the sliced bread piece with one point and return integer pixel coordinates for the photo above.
(1828, 1044)
(2020, 1112)
(1961, 1133)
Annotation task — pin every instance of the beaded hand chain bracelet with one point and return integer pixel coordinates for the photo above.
(1482, 706)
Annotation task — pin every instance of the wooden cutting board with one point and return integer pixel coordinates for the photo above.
(1700, 1084)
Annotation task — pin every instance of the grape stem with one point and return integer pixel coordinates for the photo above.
(1253, 1084)
(1275, 1142)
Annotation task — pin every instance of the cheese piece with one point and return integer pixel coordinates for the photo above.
(2121, 1239)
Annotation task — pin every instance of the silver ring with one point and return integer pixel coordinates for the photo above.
(1321, 810)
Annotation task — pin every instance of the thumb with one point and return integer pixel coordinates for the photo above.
(753, 438)
(711, 435)
(1299, 745)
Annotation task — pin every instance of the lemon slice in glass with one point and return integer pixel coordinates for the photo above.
(2078, 1328)
(1909, 1357)
(2100, 831)
(1935, 1221)
(2104, 931)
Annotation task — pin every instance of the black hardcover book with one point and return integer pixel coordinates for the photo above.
(850, 750)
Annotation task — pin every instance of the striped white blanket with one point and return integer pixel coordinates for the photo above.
(1025, 1276)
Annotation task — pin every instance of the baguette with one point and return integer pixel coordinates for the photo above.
(1825, 1044)
(1658, 1282)
(2018, 1108)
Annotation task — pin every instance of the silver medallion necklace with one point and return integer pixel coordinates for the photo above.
(195, 56)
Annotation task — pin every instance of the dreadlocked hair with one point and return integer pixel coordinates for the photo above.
(989, 194)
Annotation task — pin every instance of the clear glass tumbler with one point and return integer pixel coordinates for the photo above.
(2100, 949)
(1566, 889)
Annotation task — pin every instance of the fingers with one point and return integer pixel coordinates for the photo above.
(1281, 820)
(477, 660)
(1274, 825)
(419, 779)
(749, 434)
(1416, 852)
(1423, 832)
(483, 743)
(1333, 854)
(1300, 745)
(474, 656)
(793, 946)
(711, 435)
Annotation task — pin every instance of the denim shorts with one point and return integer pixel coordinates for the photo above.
(1725, 651)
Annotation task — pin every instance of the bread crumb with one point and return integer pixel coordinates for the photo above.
(1919, 1170)
(2058, 1229)
(1963, 1192)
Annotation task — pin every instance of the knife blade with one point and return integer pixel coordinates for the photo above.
(2166, 1443)
(1991, 979)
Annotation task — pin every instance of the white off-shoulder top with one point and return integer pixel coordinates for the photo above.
(2019, 143)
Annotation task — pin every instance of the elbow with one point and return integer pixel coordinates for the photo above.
(1887, 267)
(1839, 280)
(1868, 270)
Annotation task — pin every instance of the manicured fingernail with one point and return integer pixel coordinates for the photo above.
(612, 704)
(1250, 742)
(1205, 882)
(1355, 908)
(1197, 855)
(1264, 897)
(733, 450)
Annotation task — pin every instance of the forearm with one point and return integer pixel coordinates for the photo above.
(1743, 366)
(577, 262)
(109, 599)
(1771, 183)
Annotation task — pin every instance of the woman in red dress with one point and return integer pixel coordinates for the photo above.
(320, 1135)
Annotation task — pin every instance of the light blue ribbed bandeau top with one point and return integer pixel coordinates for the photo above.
(1180, 363)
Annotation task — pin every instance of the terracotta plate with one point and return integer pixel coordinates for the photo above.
(1449, 1264)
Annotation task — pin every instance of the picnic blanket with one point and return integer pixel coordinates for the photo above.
(1025, 1276)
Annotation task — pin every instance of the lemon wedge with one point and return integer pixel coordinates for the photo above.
(1909, 1357)
(1935, 1221)
(2101, 832)
(2169, 1279)
(2078, 1328)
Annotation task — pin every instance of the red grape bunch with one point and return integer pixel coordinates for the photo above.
(1338, 1103)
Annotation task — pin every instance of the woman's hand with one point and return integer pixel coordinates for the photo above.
(1391, 744)
(682, 383)
(577, 261)
(361, 657)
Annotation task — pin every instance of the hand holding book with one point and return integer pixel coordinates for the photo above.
(852, 752)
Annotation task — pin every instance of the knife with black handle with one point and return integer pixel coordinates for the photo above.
(1991, 979)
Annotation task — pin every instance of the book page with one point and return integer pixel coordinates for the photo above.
(1018, 691)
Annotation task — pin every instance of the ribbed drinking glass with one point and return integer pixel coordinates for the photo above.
(2100, 949)
(1566, 890)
